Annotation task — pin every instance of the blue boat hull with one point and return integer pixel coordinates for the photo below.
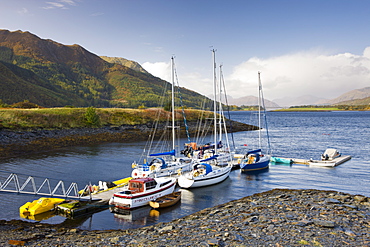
(263, 164)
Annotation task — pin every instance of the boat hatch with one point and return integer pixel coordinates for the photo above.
(125, 192)
(165, 183)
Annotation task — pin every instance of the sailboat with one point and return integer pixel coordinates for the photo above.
(210, 169)
(256, 159)
(164, 164)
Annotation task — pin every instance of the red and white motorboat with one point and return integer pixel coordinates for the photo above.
(140, 191)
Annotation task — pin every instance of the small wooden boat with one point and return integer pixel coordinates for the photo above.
(166, 201)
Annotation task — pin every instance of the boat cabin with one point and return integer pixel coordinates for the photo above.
(330, 154)
(138, 185)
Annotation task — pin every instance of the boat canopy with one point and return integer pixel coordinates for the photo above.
(254, 151)
(206, 166)
(172, 152)
(210, 158)
(160, 161)
(331, 152)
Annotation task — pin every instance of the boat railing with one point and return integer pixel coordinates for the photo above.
(25, 184)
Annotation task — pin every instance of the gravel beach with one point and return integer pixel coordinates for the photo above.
(277, 218)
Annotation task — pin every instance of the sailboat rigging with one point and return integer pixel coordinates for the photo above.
(211, 162)
(256, 159)
(161, 165)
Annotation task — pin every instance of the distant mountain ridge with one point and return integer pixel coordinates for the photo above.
(125, 62)
(364, 101)
(349, 98)
(51, 74)
(296, 101)
(250, 101)
(351, 95)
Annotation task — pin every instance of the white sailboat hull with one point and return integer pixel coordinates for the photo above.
(214, 177)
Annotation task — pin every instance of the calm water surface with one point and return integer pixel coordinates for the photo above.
(292, 134)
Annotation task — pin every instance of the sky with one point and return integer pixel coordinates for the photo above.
(301, 47)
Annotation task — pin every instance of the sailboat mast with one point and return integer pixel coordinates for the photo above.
(214, 101)
(259, 109)
(220, 105)
(173, 102)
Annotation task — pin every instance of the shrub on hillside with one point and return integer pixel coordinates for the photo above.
(25, 105)
(92, 118)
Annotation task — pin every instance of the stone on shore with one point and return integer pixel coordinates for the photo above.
(277, 218)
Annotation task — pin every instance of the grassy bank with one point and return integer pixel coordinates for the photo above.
(295, 109)
(24, 131)
(65, 118)
(328, 108)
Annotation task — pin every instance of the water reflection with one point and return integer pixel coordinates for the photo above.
(257, 175)
(140, 216)
(291, 136)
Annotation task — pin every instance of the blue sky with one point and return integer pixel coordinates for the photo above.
(302, 47)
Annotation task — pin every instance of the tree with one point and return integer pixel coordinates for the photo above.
(92, 118)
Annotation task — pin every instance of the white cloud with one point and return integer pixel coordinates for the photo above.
(61, 4)
(158, 69)
(53, 5)
(193, 81)
(293, 75)
(70, 2)
(304, 73)
(23, 11)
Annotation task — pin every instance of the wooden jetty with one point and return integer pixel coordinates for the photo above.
(91, 203)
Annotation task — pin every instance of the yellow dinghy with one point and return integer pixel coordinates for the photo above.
(39, 206)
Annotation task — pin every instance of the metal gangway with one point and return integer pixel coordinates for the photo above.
(25, 184)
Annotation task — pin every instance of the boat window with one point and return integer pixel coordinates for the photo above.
(151, 185)
(135, 185)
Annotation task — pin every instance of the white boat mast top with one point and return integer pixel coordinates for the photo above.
(259, 109)
(214, 101)
(173, 102)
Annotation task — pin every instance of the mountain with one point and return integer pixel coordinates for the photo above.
(347, 98)
(351, 95)
(250, 101)
(296, 101)
(364, 101)
(128, 63)
(51, 74)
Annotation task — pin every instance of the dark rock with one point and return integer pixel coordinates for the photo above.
(323, 223)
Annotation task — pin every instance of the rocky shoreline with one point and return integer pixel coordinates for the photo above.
(277, 218)
(15, 143)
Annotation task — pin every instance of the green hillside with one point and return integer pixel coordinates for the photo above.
(51, 74)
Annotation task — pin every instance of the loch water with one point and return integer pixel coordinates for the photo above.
(301, 135)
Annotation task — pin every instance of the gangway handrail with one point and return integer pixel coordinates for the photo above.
(73, 187)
